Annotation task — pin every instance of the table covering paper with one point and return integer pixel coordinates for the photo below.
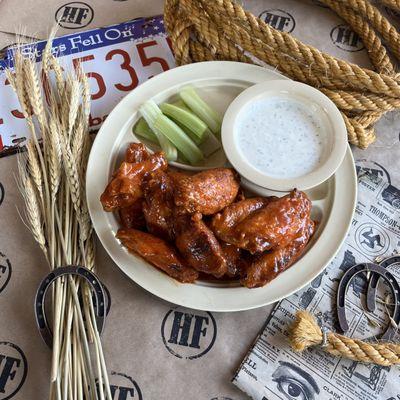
(156, 350)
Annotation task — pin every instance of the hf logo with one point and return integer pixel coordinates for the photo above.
(188, 334)
(279, 19)
(221, 398)
(346, 39)
(5, 271)
(13, 370)
(123, 387)
(1, 193)
(74, 15)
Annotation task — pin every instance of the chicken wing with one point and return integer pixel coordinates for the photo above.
(132, 216)
(224, 222)
(158, 204)
(272, 225)
(275, 224)
(206, 192)
(270, 264)
(136, 152)
(157, 252)
(125, 186)
(236, 260)
(198, 245)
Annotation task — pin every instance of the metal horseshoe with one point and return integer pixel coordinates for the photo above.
(373, 282)
(91, 279)
(380, 272)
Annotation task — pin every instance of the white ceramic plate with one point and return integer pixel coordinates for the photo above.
(218, 82)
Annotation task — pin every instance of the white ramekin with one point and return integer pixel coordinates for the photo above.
(333, 125)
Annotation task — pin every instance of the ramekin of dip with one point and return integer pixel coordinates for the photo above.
(284, 134)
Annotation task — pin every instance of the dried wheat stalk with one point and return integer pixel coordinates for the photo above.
(51, 181)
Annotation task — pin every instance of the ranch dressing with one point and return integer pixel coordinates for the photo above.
(281, 137)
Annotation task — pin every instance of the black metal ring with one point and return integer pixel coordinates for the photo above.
(373, 282)
(344, 285)
(91, 279)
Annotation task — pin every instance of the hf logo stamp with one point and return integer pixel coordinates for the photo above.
(188, 334)
(279, 19)
(13, 370)
(221, 398)
(124, 387)
(345, 38)
(5, 271)
(74, 15)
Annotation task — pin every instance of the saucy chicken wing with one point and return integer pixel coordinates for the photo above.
(136, 152)
(198, 245)
(272, 225)
(157, 252)
(236, 260)
(275, 224)
(270, 264)
(224, 222)
(126, 184)
(132, 216)
(158, 204)
(206, 192)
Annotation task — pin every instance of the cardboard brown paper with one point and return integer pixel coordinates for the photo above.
(36, 18)
(149, 344)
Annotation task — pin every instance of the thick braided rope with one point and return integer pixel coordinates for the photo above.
(376, 51)
(232, 17)
(381, 24)
(203, 30)
(393, 4)
(306, 333)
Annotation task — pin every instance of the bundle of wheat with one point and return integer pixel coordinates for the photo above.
(51, 179)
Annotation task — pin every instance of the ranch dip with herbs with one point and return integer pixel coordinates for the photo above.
(281, 137)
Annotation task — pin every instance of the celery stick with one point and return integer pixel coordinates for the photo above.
(151, 113)
(201, 109)
(165, 128)
(192, 136)
(210, 144)
(185, 118)
(143, 130)
(179, 138)
(182, 159)
(181, 104)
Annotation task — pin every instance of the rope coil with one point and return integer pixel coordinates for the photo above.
(306, 333)
(203, 30)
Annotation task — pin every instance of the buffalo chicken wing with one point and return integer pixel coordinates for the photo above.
(126, 184)
(270, 264)
(157, 252)
(132, 216)
(223, 223)
(271, 225)
(158, 204)
(198, 245)
(136, 152)
(206, 192)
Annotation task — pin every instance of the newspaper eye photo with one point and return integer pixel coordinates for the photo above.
(295, 383)
(202, 191)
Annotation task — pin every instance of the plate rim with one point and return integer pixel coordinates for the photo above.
(198, 69)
